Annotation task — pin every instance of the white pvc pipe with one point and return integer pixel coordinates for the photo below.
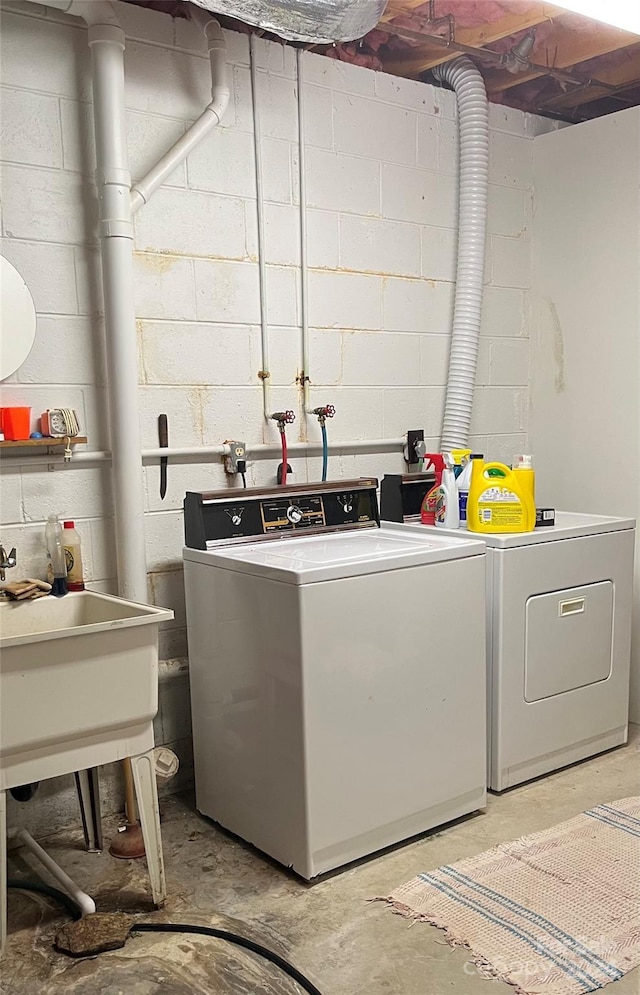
(116, 236)
(304, 270)
(195, 454)
(107, 42)
(473, 116)
(91, 11)
(265, 372)
(210, 117)
(84, 902)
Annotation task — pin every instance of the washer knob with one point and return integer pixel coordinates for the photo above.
(294, 514)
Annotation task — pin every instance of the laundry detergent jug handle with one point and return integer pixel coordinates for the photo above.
(496, 470)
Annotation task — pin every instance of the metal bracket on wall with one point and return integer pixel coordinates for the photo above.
(413, 436)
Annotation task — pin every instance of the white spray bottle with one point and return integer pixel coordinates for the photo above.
(447, 506)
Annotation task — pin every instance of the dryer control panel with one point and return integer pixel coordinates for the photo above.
(218, 517)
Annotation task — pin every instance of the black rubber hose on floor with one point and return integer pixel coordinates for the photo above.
(240, 941)
(171, 927)
(44, 889)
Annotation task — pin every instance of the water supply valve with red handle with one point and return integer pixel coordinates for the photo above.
(283, 418)
(324, 412)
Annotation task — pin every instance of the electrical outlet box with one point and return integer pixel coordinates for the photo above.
(413, 436)
(237, 452)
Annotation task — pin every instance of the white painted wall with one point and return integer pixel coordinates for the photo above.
(382, 162)
(585, 415)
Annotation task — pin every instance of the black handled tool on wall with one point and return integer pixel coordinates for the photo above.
(163, 439)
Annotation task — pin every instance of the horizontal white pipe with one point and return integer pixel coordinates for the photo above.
(84, 902)
(210, 117)
(193, 454)
(355, 445)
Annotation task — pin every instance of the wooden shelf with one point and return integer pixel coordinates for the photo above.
(74, 440)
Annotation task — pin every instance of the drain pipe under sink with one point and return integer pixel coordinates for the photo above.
(473, 116)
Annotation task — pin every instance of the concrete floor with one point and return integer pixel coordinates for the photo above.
(344, 944)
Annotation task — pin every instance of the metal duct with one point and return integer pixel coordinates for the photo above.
(304, 20)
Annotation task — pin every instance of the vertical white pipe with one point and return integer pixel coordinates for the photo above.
(116, 236)
(265, 372)
(304, 271)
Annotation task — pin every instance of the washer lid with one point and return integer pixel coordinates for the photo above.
(569, 525)
(330, 557)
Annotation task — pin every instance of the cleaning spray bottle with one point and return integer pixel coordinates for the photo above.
(447, 507)
(460, 459)
(463, 483)
(435, 462)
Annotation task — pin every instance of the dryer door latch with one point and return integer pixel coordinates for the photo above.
(573, 606)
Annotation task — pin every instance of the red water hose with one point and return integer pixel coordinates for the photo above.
(283, 439)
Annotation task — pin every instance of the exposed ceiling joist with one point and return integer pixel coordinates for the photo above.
(479, 36)
(578, 68)
(566, 47)
(395, 8)
(622, 77)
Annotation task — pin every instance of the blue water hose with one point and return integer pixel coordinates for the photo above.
(325, 451)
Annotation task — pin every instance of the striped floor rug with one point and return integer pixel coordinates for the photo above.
(553, 913)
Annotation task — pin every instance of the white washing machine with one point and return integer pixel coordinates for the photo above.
(337, 672)
(558, 643)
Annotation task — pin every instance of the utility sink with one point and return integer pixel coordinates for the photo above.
(78, 683)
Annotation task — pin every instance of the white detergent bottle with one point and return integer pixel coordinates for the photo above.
(447, 507)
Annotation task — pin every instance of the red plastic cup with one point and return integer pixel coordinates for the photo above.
(16, 423)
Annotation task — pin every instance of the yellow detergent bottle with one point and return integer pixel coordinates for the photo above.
(498, 502)
(523, 465)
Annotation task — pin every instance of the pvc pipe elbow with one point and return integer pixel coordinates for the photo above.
(214, 34)
(220, 97)
(91, 11)
(94, 12)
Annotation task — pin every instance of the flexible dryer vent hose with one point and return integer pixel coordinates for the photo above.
(473, 116)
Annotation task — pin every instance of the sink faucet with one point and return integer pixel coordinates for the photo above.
(6, 562)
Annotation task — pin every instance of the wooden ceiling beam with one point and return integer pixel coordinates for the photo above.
(396, 8)
(565, 47)
(621, 77)
(416, 62)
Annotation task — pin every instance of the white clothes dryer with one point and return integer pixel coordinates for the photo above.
(558, 642)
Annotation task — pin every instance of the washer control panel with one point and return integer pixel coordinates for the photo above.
(219, 517)
(287, 513)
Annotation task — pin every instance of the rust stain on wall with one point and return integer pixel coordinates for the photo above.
(558, 349)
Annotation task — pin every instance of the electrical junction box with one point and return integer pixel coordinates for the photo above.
(237, 453)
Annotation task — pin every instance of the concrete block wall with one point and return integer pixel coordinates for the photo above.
(381, 190)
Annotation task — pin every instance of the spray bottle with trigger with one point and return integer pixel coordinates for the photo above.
(447, 506)
(435, 462)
